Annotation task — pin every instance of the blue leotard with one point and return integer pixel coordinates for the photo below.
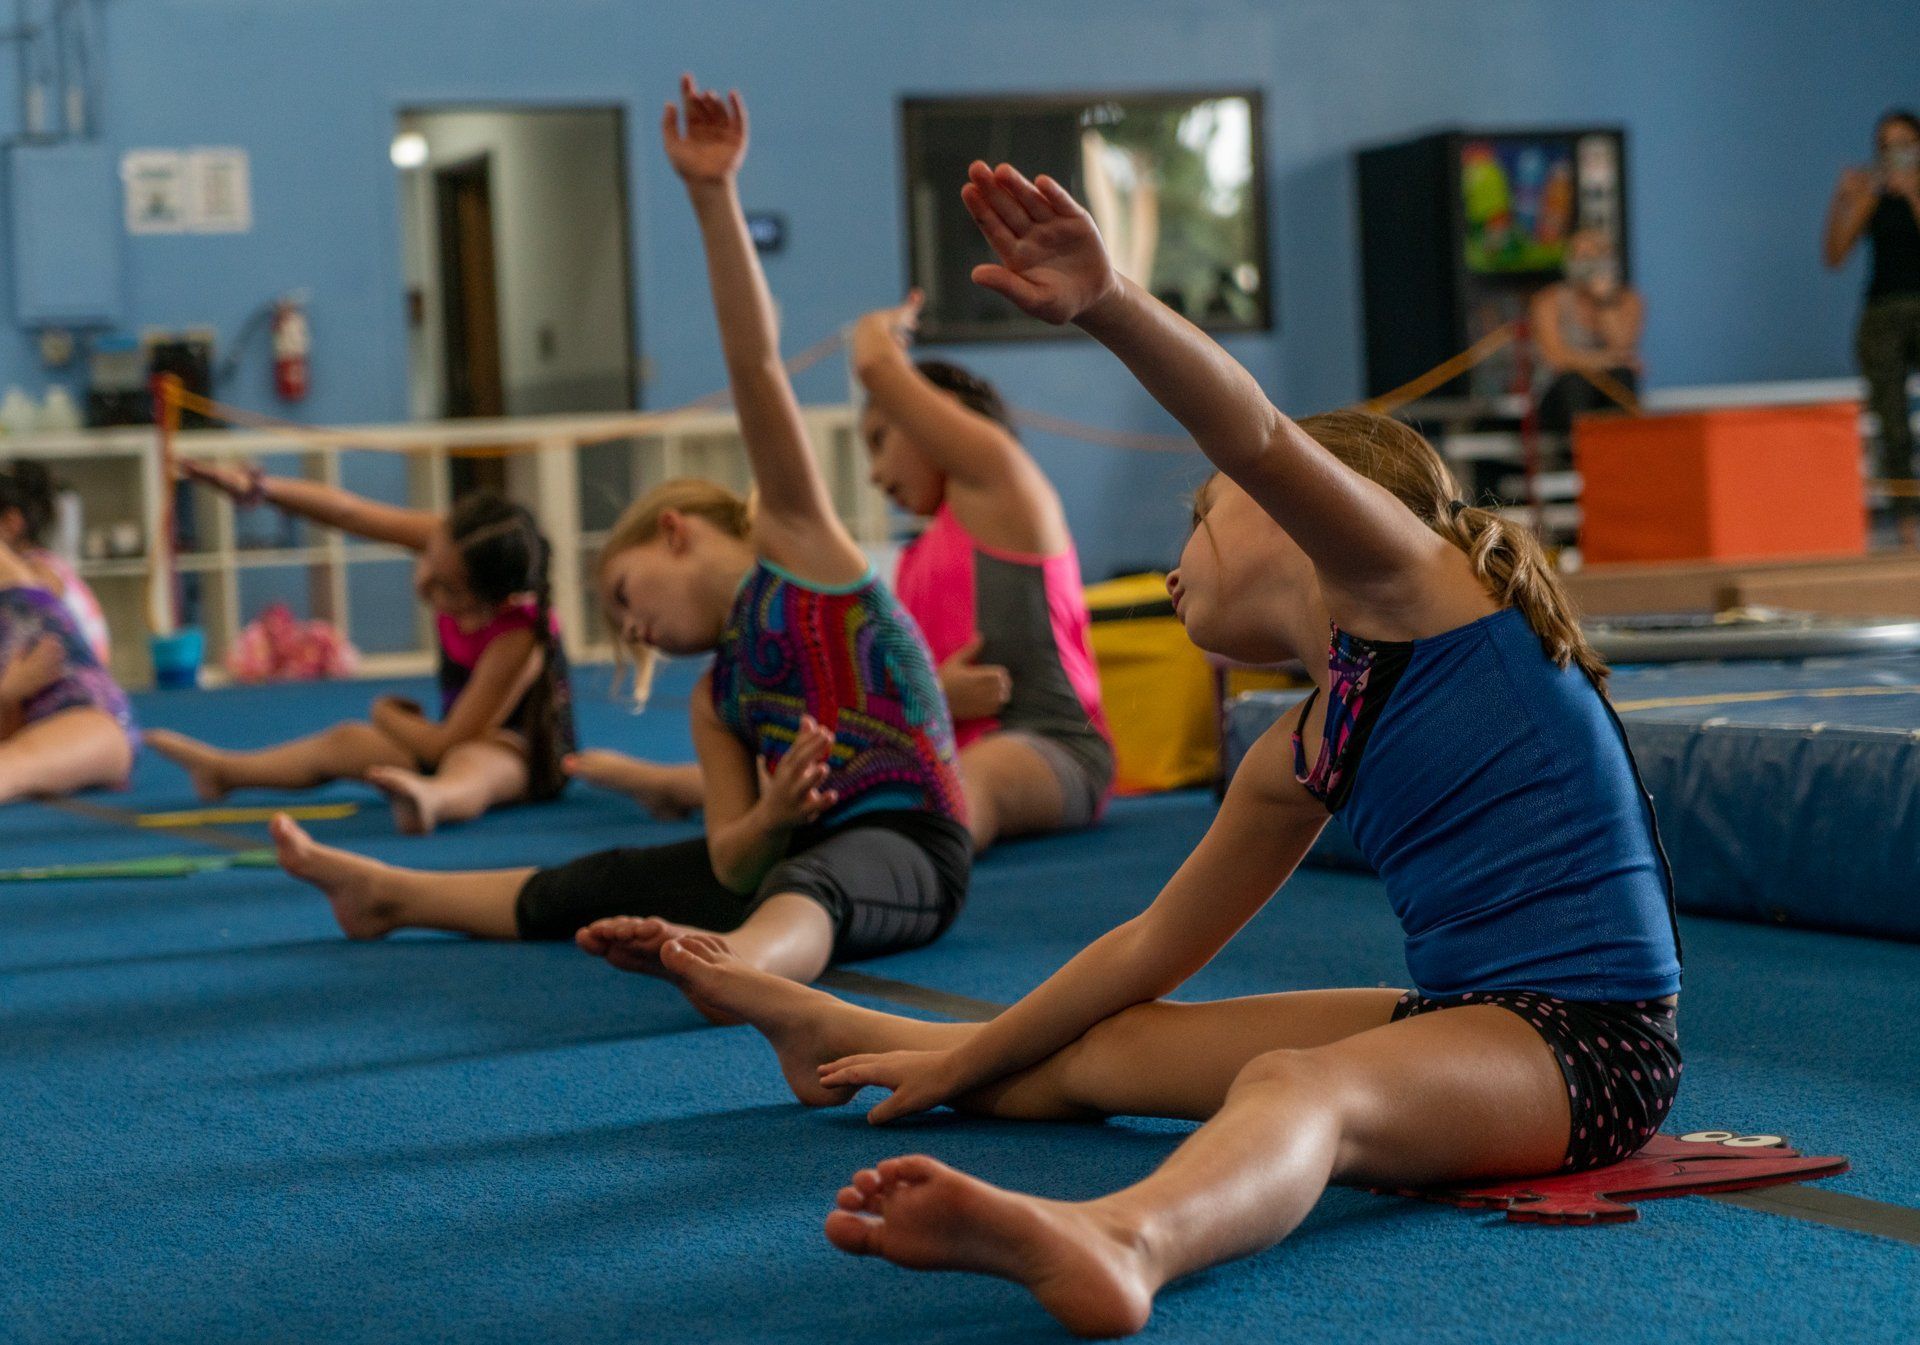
(1494, 793)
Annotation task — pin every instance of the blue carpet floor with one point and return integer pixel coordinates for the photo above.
(224, 1123)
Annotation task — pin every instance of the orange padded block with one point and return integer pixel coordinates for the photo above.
(1741, 482)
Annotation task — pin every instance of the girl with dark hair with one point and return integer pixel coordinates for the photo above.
(994, 584)
(506, 709)
(1458, 725)
(1881, 203)
(26, 512)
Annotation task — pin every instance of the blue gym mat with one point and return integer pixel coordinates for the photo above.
(1787, 792)
(225, 1123)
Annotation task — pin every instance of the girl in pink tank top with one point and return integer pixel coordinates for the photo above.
(506, 707)
(994, 582)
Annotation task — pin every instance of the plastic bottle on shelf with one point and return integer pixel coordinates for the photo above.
(59, 414)
(19, 414)
(69, 525)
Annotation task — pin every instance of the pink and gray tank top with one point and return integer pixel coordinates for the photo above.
(1032, 613)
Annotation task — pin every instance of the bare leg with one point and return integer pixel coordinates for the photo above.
(371, 899)
(788, 938)
(471, 778)
(345, 751)
(73, 750)
(667, 791)
(1010, 789)
(1449, 1096)
(1161, 1059)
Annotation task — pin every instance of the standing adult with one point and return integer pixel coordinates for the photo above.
(1882, 204)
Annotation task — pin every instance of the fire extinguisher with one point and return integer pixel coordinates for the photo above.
(292, 347)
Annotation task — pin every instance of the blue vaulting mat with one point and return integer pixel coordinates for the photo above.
(1786, 791)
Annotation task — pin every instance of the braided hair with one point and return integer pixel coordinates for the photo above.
(505, 555)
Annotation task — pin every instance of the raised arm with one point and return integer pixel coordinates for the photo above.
(326, 505)
(999, 492)
(795, 525)
(1053, 265)
(1265, 826)
(1855, 197)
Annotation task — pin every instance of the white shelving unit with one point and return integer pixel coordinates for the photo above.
(559, 459)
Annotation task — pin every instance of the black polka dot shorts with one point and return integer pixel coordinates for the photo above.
(1621, 1063)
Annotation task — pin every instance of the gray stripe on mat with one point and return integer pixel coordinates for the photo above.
(1836, 1209)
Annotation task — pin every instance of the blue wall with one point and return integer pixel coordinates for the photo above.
(1740, 115)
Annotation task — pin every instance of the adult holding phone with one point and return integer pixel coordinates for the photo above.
(1881, 203)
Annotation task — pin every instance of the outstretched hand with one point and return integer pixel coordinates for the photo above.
(917, 1080)
(713, 144)
(239, 483)
(1053, 264)
(885, 330)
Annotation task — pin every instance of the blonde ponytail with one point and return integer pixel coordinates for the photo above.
(1506, 557)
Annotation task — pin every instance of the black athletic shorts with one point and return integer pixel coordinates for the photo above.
(890, 881)
(1621, 1063)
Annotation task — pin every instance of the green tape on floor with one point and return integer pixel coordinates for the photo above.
(158, 866)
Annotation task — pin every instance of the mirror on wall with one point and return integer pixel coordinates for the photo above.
(1174, 181)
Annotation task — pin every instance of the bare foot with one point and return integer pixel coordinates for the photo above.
(632, 942)
(350, 882)
(666, 792)
(201, 762)
(923, 1215)
(807, 1028)
(410, 794)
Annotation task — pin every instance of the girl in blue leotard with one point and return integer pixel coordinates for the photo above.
(1458, 724)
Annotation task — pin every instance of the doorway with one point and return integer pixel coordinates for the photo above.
(516, 246)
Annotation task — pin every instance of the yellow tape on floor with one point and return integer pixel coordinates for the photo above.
(219, 817)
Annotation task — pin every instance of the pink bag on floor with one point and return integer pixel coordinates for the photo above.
(279, 647)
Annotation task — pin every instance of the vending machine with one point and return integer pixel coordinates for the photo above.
(1459, 228)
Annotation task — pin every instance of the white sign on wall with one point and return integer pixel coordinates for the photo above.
(202, 191)
(155, 181)
(220, 191)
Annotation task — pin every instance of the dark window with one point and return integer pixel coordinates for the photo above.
(1175, 182)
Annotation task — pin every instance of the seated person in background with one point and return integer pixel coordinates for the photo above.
(26, 512)
(1587, 323)
(64, 723)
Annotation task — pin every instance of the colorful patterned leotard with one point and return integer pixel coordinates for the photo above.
(852, 658)
(26, 615)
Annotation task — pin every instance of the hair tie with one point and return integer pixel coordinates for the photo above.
(1456, 507)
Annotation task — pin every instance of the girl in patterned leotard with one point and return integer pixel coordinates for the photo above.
(64, 723)
(835, 821)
